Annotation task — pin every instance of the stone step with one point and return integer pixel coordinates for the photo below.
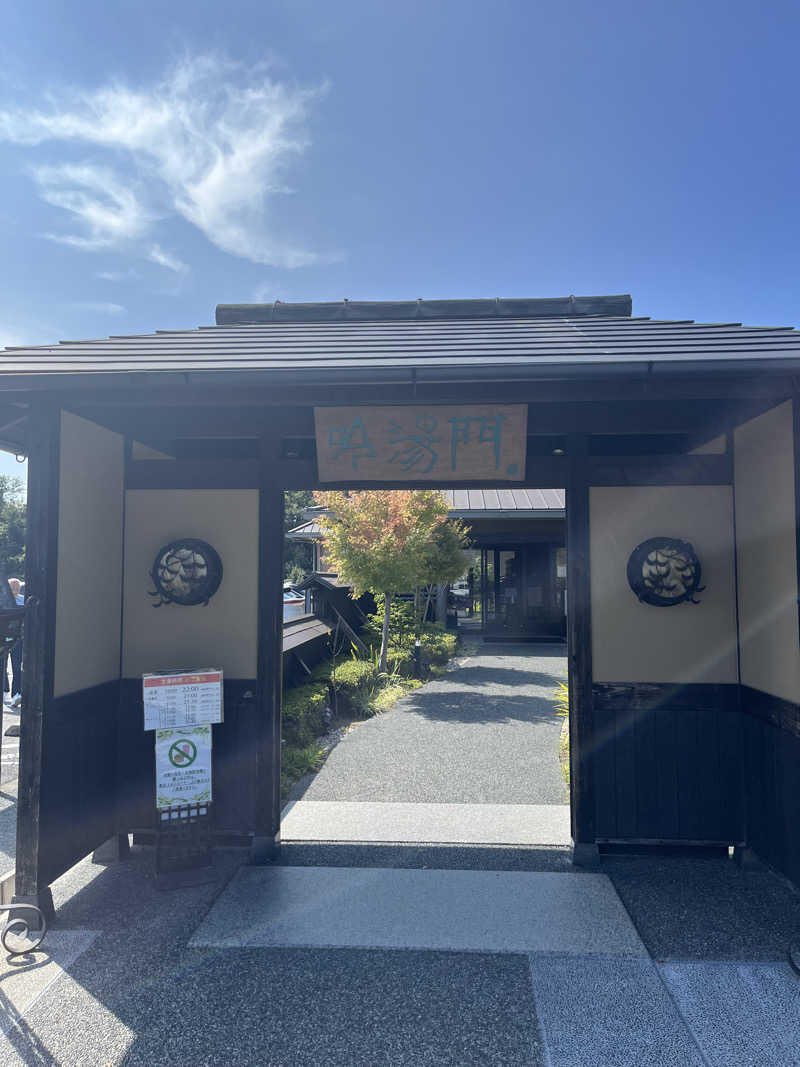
(457, 911)
(417, 856)
(474, 824)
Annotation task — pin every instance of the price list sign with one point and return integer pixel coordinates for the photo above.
(174, 700)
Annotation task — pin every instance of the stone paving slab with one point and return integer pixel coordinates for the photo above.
(23, 979)
(309, 1008)
(690, 908)
(740, 1013)
(458, 911)
(610, 1012)
(475, 824)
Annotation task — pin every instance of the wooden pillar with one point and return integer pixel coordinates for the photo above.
(579, 637)
(270, 658)
(39, 644)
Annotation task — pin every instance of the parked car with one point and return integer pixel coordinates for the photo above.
(294, 603)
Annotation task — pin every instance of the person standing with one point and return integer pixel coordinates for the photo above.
(16, 651)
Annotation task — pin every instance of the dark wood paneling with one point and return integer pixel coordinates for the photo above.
(782, 714)
(772, 779)
(668, 764)
(234, 760)
(269, 693)
(796, 454)
(79, 758)
(579, 641)
(40, 618)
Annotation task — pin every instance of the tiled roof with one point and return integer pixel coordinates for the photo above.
(435, 339)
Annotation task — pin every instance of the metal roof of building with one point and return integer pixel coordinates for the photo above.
(495, 502)
(474, 504)
(440, 338)
(300, 631)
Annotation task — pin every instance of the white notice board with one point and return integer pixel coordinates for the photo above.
(183, 766)
(182, 698)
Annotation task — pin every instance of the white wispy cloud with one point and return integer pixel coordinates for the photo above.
(166, 259)
(117, 275)
(108, 208)
(99, 307)
(212, 142)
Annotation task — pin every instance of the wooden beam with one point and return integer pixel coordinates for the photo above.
(192, 474)
(269, 683)
(542, 472)
(796, 444)
(579, 648)
(154, 425)
(40, 622)
(154, 422)
(660, 470)
(238, 389)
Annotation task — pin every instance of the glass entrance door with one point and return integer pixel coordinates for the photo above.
(522, 591)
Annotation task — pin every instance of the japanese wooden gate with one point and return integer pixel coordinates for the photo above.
(679, 730)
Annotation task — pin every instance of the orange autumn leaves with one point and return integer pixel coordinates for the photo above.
(387, 540)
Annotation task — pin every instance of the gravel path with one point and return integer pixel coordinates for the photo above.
(485, 733)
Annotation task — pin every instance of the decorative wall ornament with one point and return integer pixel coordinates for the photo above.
(186, 572)
(664, 571)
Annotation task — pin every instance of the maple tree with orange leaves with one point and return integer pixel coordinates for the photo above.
(391, 540)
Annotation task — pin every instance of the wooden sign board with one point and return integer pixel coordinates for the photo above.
(467, 442)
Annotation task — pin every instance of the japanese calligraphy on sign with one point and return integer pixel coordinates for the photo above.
(421, 444)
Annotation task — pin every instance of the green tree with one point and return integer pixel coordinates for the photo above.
(12, 527)
(444, 561)
(297, 555)
(388, 541)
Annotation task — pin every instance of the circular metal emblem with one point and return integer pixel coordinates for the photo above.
(186, 572)
(664, 571)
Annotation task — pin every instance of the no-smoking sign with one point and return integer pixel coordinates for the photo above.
(183, 766)
(182, 753)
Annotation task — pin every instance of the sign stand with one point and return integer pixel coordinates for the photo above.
(183, 847)
(180, 708)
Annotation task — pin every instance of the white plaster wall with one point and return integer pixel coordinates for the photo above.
(89, 576)
(635, 642)
(767, 553)
(220, 634)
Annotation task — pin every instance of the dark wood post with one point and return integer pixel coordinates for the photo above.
(270, 658)
(579, 637)
(39, 644)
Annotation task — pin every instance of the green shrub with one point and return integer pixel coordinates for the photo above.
(438, 645)
(295, 762)
(322, 671)
(400, 661)
(562, 711)
(384, 700)
(401, 624)
(352, 674)
(303, 709)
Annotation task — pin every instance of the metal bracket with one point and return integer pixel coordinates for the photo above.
(17, 926)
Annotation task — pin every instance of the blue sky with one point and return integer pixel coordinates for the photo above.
(160, 158)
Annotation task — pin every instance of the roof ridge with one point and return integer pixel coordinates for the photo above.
(377, 310)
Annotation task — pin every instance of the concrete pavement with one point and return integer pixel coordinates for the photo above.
(135, 988)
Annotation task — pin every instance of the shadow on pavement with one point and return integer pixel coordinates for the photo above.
(476, 708)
